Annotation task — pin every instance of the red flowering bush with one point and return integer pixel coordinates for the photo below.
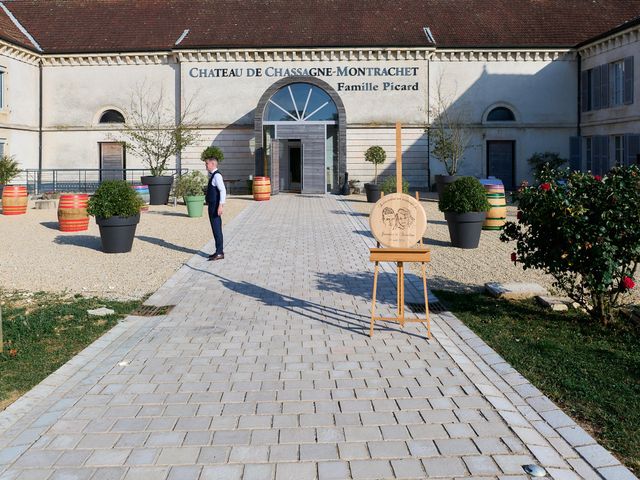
(583, 231)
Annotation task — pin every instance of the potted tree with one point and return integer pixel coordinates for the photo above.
(153, 134)
(377, 156)
(465, 205)
(8, 171)
(389, 185)
(117, 211)
(191, 187)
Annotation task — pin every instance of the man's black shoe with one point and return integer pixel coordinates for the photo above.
(216, 256)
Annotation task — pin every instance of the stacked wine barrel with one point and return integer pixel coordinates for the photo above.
(261, 189)
(14, 200)
(497, 215)
(143, 192)
(72, 212)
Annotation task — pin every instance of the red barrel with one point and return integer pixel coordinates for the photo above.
(261, 189)
(72, 212)
(14, 200)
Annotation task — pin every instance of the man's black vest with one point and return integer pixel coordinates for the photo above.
(213, 194)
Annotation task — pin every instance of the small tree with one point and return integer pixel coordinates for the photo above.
(585, 233)
(377, 156)
(152, 130)
(212, 152)
(541, 163)
(8, 169)
(449, 134)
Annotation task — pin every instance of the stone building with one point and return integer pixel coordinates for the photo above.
(299, 89)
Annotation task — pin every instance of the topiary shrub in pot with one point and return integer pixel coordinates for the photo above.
(389, 185)
(191, 188)
(116, 208)
(377, 156)
(8, 171)
(465, 205)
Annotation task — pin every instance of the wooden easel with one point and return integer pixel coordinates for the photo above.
(418, 254)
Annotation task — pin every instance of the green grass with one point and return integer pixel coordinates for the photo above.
(42, 331)
(591, 372)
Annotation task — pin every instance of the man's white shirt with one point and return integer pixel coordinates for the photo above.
(218, 181)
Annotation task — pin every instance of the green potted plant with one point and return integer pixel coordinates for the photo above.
(116, 208)
(191, 187)
(154, 134)
(465, 205)
(212, 152)
(389, 185)
(377, 156)
(8, 171)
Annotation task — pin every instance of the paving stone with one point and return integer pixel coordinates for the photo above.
(371, 469)
(274, 364)
(557, 304)
(515, 290)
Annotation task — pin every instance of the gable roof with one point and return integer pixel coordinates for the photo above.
(101, 26)
(10, 32)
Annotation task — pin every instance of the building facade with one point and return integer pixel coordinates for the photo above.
(303, 107)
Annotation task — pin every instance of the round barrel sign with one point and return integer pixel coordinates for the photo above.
(398, 221)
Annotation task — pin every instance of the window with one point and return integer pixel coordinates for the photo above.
(301, 102)
(618, 145)
(588, 153)
(616, 83)
(501, 114)
(2, 100)
(111, 116)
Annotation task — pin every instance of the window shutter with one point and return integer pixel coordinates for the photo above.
(584, 90)
(595, 88)
(604, 155)
(631, 148)
(628, 80)
(595, 154)
(574, 156)
(604, 85)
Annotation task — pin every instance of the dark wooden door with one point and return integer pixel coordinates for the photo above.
(501, 161)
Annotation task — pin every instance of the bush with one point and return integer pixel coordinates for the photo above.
(377, 156)
(544, 164)
(463, 196)
(191, 185)
(8, 169)
(585, 233)
(212, 152)
(114, 198)
(389, 185)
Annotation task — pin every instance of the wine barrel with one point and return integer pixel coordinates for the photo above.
(261, 189)
(497, 215)
(14, 200)
(72, 212)
(143, 192)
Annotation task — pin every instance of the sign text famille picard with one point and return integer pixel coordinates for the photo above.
(345, 71)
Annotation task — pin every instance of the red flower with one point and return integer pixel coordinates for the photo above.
(545, 186)
(597, 178)
(519, 215)
(514, 257)
(627, 283)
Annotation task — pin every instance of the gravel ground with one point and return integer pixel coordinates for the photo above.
(468, 270)
(35, 255)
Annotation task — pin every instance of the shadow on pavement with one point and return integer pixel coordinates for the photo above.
(169, 245)
(87, 241)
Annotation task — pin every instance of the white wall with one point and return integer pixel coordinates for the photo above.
(542, 94)
(19, 117)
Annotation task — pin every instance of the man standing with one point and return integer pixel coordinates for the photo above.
(216, 196)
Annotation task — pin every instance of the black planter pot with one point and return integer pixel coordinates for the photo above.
(1, 190)
(373, 192)
(465, 228)
(159, 188)
(117, 233)
(444, 180)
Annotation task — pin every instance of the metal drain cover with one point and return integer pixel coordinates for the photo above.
(534, 470)
(152, 310)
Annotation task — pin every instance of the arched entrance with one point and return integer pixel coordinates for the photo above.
(300, 136)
